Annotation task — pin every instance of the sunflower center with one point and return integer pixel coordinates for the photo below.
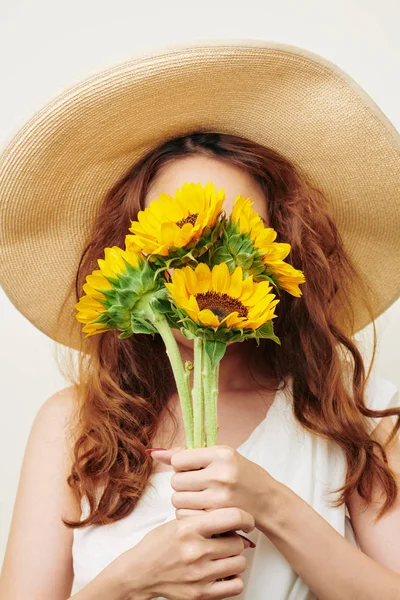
(220, 304)
(189, 219)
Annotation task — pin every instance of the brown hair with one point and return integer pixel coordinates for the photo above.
(123, 386)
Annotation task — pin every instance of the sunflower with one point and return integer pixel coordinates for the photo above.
(89, 308)
(216, 298)
(112, 291)
(170, 223)
(250, 223)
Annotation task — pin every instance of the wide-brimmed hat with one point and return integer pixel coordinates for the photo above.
(56, 171)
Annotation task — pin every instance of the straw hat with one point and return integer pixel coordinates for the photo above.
(56, 171)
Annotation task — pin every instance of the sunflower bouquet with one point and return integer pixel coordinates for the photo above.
(187, 265)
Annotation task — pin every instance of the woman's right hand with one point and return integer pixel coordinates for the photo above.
(179, 560)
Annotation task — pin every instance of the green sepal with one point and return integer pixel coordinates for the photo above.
(127, 298)
(234, 242)
(237, 249)
(102, 318)
(215, 351)
(142, 326)
(160, 302)
(188, 334)
(222, 255)
(125, 334)
(267, 331)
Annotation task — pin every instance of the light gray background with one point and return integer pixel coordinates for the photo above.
(48, 45)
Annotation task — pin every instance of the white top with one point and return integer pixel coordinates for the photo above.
(303, 461)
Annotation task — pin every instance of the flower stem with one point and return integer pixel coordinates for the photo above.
(203, 432)
(211, 400)
(180, 375)
(197, 393)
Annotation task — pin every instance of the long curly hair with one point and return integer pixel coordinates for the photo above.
(123, 386)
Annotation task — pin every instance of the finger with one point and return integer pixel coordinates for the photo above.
(227, 545)
(164, 456)
(224, 519)
(225, 589)
(202, 500)
(185, 481)
(226, 567)
(181, 513)
(198, 458)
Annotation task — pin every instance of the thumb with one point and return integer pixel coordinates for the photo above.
(164, 455)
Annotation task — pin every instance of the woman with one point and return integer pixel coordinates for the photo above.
(295, 423)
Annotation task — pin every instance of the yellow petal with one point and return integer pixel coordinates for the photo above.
(220, 278)
(261, 307)
(190, 306)
(97, 281)
(247, 288)
(91, 291)
(191, 280)
(229, 319)
(149, 224)
(233, 320)
(203, 276)
(169, 233)
(179, 279)
(130, 257)
(260, 291)
(235, 288)
(207, 317)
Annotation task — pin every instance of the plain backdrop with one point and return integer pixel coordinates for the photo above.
(48, 45)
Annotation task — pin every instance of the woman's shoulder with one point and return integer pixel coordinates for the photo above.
(59, 413)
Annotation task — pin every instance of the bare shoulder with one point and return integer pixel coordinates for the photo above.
(60, 410)
(38, 559)
(62, 403)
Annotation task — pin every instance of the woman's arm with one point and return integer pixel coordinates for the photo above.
(332, 567)
(115, 582)
(37, 564)
(380, 540)
(37, 561)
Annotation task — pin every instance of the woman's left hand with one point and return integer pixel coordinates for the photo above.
(216, 477)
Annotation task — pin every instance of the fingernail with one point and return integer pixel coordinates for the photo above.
(150, 450)
(252, 544)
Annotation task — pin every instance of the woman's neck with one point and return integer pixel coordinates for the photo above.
(233, 371)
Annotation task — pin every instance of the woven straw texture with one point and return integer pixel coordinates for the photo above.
(57, 169)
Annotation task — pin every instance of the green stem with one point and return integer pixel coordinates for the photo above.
(197, 393)
(211, 400)
(203, 434)
(181, 378)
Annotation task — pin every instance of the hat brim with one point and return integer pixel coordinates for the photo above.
(55, 172)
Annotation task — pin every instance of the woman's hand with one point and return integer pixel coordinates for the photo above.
(182, 559)
(216, 477)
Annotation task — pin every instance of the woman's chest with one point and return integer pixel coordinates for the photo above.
(239, 414)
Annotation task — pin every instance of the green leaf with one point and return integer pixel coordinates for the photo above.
(267, 331)
(142, 326)
(215, 351)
